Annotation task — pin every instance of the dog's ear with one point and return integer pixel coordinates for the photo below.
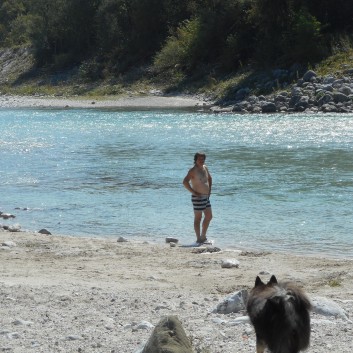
(258, 281)
(273, 280)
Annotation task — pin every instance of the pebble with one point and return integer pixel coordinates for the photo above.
(239, 320)
(9, 244)
(73, 338)
(144, 325)
(22, 322)
(171, 240)
(122, 240)
(229, 263)
(44, 231)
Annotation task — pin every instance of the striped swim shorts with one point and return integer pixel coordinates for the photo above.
(200, 203)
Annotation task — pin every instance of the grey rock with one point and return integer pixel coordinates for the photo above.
(14, 228)
(340, 97)
(346, 90)
(6, 215)
(329, 108)
(44, 231)
(144, 325)
(232, 304)
(171, 240)
(309, 75)
(326, 98)
(122, 240)
(269, 107)
(328, 80)
(328, 307)
(168, 337)
(302, 103)
(9, 244)
(230, 263)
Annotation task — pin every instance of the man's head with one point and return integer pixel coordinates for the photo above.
(199, 155)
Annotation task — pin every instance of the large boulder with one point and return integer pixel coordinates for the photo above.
(339, 97)
(168, 337)
(269, 107)
(309, 75)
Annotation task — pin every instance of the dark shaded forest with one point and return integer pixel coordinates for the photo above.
(112, 36)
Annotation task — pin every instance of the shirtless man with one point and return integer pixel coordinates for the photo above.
(200, 188)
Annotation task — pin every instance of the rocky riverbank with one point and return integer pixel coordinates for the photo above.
(310, 94)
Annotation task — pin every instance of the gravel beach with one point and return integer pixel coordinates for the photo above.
(152, 101)
(73, 294)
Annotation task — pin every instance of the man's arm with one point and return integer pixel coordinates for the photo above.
(209, 180)
(186, 181)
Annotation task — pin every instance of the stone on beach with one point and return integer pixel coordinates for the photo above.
(327, 307)
(22, 322)
(171, 240)
(229, 263)
(9, 244)
(44, 231)
(122, 240)
(11, 228)
(232, 304)
(6, 215)
(168, 337)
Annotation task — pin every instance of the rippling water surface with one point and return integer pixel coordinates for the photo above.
(281, 182)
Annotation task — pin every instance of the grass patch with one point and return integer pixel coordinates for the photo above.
(336, 282)
(336, 64)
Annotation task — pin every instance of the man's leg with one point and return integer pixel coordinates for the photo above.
(206, 222)
(197, 222)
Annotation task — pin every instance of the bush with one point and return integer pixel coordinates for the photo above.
(181, 48)
(307, 40)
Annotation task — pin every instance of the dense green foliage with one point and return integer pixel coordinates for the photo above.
(185, 35)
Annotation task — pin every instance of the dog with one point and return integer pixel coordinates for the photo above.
(280, 314)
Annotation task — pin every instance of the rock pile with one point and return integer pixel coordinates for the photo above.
(310, 94)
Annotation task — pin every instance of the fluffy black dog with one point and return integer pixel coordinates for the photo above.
(280, 315)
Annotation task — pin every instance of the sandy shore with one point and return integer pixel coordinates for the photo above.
(67, 294)
(152, 101)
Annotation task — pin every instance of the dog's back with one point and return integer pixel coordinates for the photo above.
(280, 315)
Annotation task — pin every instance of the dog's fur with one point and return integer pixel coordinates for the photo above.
(280, 315)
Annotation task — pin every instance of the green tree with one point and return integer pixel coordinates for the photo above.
(306, 45)
(63, 31)
(272, 19)
(13, 23)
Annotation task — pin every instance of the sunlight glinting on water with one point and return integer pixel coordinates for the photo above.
(280, 182)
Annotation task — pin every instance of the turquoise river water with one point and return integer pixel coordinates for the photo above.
(280, 182)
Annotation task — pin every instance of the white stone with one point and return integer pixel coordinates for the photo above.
(9, 243)
(144, 325)
(229, 263)
(327, 307)
(239, 320)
